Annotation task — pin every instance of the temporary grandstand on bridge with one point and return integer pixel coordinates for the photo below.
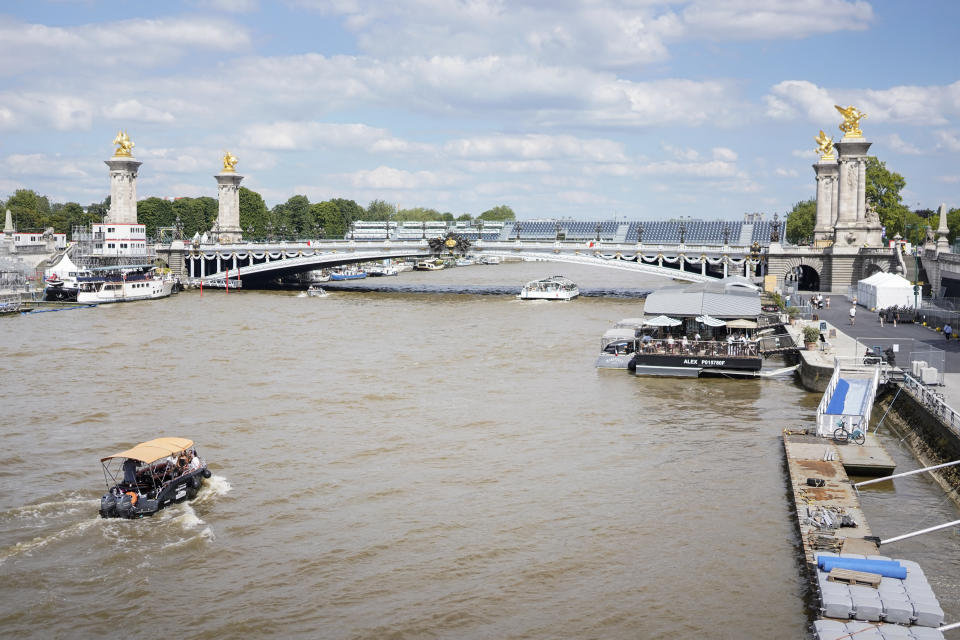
(649, 232)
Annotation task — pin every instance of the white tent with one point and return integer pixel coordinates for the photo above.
(883, 290)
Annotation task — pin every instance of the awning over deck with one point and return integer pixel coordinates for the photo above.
(153, 450)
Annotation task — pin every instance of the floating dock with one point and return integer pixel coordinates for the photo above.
(853, 603)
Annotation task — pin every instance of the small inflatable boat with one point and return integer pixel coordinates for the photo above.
(150, 476)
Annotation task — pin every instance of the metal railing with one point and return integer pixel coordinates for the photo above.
(749, 349)
(934, 403)
(828, 422)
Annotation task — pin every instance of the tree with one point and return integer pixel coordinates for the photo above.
(953, 223)
(97, 211)
(193, 215)
(329, 218)
(155, 213)
(500, 212)
(28, 209)
(883, 192)
(380, 210)
(349, 210)
(800, 222)
(464, 217)
(418, 214)
(253, 213)
(299, 217)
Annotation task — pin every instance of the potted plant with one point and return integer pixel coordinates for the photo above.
(811, 335)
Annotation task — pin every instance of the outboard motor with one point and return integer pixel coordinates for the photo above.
(108, 506)
(126, 506)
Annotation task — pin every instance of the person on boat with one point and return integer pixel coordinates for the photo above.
(670, 342)
(130, 472)
(195, 463)
(684, 343)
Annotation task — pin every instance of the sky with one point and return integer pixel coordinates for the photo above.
(590, 110)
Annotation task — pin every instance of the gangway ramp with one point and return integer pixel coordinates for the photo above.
(849, 397)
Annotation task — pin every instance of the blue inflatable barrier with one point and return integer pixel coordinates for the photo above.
(887, 568)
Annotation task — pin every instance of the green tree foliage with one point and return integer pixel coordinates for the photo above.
(500, 212)
(329, 218)
(418, 214)
(883, 192)
(195, 215)
(380, 210)
(349, 209)
(800, 222)
(155, 213)
(299, 219)
(253, 214)
(30, 210)
(464, 217)
(97, 211)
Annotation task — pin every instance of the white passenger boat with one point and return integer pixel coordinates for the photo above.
(123, 284)
(378, 270)
(552, 288)
(319, 275)
(430, 265)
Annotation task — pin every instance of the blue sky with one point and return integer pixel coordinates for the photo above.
(590, 110)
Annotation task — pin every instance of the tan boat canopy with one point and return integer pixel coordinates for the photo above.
(153, 450)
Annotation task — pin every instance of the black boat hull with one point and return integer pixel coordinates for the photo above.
(121, 502)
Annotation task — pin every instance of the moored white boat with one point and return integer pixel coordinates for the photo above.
(123, 284)
(430, 265)
(552, 288)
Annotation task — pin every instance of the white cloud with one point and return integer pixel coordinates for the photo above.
(39, 164)
(26, 109)
(774, 19)
(125, 42)
(913, 105)
(948, 140)
(230, 6)
(786, 173)
(536, 146)
(138, 112)
(724, 154)
(390, 178)
(291, 135)
(899, 145)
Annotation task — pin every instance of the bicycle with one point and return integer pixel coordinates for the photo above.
(842, 434)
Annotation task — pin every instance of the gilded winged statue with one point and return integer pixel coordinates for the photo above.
(824, 146)
(124, 144)
(229, 162)
(851, 121)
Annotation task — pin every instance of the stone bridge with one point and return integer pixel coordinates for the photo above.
(815, 269)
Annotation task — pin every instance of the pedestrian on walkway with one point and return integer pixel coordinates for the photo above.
(896, 316)
(880, 315)
(828, 302)
(853, 315)
(947, 330)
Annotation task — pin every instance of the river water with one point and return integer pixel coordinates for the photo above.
(403, 465)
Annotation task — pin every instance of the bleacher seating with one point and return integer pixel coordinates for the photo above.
(655, 232)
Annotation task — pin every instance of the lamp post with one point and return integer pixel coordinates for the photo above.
(683, 232)
(599, 227)
(557, 230)
(518, 228)
(639, 234)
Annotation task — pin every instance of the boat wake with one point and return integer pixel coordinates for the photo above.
(43, 511)
(27, 548)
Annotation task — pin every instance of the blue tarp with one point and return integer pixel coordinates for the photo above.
(849, 398)
(888, 568)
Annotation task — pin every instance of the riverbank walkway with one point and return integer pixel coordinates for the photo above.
(868, 326)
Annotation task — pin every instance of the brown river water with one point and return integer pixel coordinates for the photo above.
(406, 465)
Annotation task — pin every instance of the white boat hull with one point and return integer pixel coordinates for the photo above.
(107, 292)
(549, 295)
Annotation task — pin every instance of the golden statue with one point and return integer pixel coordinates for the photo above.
(824, 146)
(851, 121)
(229, 162)
(124, 145)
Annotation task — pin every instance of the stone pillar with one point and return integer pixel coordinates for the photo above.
(228, 216)
(827, 171)
(123, 189)
(851, 228)
(943, 245)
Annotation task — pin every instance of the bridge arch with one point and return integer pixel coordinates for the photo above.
(804, 272)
